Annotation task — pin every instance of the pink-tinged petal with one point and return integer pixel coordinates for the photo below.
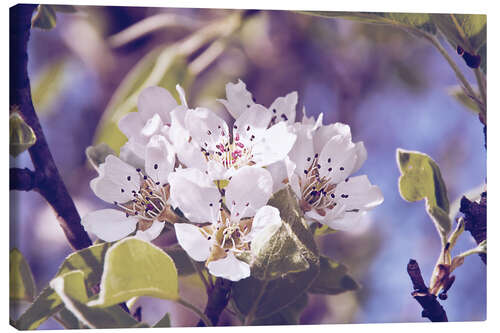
(284, 108)
(357, 193)
(274, 146)
(152, 232)
(155, 100)
(160, 159)
(195, 195)
(337, 159)
(192, 241)
(248, 190)
(239, 99)
(109, 224)
(206, 128)
(229, 268)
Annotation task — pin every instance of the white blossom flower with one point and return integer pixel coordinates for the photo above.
(237, 222)
(319, 169)
(141, 197)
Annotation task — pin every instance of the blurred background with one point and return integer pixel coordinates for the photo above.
(389, 86)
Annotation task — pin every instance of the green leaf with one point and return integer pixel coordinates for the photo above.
(421, 179)
(97, 154)
(401, 20)
(164, 321)
(45, 17)
(466, 30)
(69, 320)
(22, 283)
(71, 289)
(21, 135)
(291, 248)
(458, 93)
(89, 261)
(332, 279)
(133, 267)
(322, 229)
(47, 86)
(289, 315)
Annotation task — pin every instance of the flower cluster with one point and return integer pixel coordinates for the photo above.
(221, 176)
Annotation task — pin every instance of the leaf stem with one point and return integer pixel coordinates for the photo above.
(200, 274)
(195, 310)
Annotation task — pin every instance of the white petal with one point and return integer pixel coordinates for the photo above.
(192, 241)
(281, 172)
(239, 99)
(361, 156)
(302, 152)
(349, 221)
(250, 127)
(116, 180)
(195, 195)
(217, 171)
(109, 224)
(324, 134)
(248, 190)
(131, 124)
(358, 193)
(155, 100)
(229, 268)
(152, 232)
(331, 214)
(266, 222)
(283, 108)
(274, 145)
(310, 120)
(152, 126)
(206, 128)
(337, 158)
(128, 156)
(160, 159)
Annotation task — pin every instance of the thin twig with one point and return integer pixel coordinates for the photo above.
(475, 219)
(50, 186)
(201, 275)
(430, 305)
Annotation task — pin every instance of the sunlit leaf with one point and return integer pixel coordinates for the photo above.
(421, 179)
(133, 267)
(332, 279)
(322, 229)
(22, 284)
(465, 30)
(21, 135)
(45, 17)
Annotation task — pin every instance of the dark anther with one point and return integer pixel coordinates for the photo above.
(145, 177)
(128, 178)
(330, 169)
(114, 202)
(122, 190)
(138, 169)
(329, 160)
(248, 128)
(274, 110)
(209, 133)
(308, 159)
(305, 171)
(209, 237)
(341, 168)
(319, 166)
(332, 195)
(235, 127)
(346, 180)
(211, 204)
(316, 155)
(248, 105)
(460, 50)
(155, 166)
(285, 118)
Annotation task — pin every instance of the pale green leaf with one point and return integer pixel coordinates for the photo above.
(290, 249)
(421, 179)
(47, 85)
(45, 17)
(69, 320)
(458, 93)
(22, 284)
(333, 279)
(97, 154)
(133, 267)
(164, 321)
(71, 289)
(322, 229)
(21, 135)
(465, 30)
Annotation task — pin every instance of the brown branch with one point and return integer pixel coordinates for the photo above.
(475, 219)
(430, 305)
(218, 298)
(50, 184)
(22, 179)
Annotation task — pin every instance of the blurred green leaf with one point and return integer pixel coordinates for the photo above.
(45, 17)
(89, 261)
(421, 179)
(289, 315)
(21, 135)
(97, 154)
(322, 229)
(22, 283)
(465, 30)
(458, 93)
(332, 279)
(164, 321)
(133, 268)
(402, 20)
(47, 86)
(71, 289)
